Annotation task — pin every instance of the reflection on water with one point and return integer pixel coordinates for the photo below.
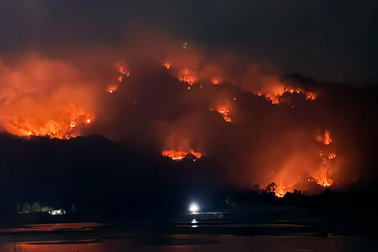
(194, 221)
(207, 232)
(209, 243)
(52, 227)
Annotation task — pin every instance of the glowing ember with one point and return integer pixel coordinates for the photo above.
(332, 156)
(167, 65)
(326, 139)
(112, 89)
(120, 78)
(225, 113)
(179, 155)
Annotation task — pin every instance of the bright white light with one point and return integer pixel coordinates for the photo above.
(194, 221)
(193, 208)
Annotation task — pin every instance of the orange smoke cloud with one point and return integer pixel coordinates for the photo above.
(43, 97)
(302, 164)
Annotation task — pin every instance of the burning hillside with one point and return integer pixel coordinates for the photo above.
(260, 126)
(179, 155)
(43, 97)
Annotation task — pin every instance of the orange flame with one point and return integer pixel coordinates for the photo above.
(280, 191)
(325, 182)
(310, 96)
(53, 128)
(122, 70)
(179, 155)
(122, 67)
(327, 138)
(225, 113)
(322, 173)
(167, 65)
(215, 81)
(187, 77)
(272, 98)
(274, 93)
(111, 89)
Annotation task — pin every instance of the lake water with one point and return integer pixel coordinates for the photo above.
(216, 243)
(291, 231)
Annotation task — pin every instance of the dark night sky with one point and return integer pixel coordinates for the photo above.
(328, 40)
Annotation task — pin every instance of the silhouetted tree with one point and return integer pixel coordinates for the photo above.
(271, 188)
(26, 208)
(46, 209)
(230, 201)
(256, 188)
(327, 191)
(74, 208)
(36, 207)
(18, 208)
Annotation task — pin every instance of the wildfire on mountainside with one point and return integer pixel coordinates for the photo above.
(44, 97)
(180, 155)
(187, 77)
